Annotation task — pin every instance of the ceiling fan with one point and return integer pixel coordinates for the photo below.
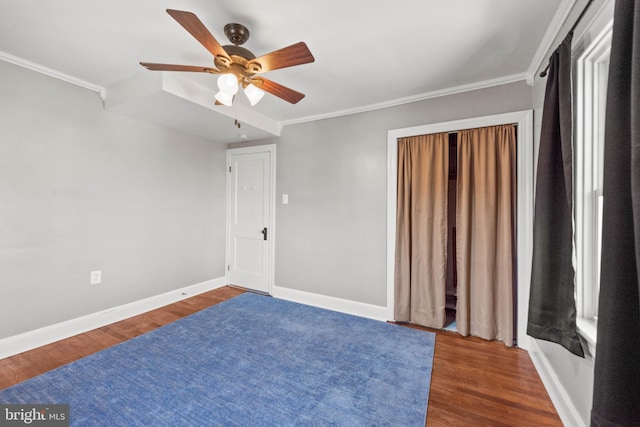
(236, 65)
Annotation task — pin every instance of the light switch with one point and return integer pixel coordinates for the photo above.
(285, 199)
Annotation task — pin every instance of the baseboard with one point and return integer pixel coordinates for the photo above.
(48, 334)
(331, 303)
(559, 396)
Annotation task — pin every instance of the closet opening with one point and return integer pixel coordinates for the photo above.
(522, 190)
(456, 231)
(451, 295)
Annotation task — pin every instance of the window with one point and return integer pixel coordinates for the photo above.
(592, 52)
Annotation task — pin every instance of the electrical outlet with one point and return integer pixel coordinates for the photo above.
(96, 277)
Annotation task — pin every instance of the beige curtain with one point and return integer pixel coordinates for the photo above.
(421, 229)
(485, 221)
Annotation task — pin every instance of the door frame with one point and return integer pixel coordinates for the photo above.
(525, 161)
(271, 149)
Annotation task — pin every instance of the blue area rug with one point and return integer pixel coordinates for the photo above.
(251, 360)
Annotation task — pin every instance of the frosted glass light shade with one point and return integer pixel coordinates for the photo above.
(254, 94)
(225, 98)
(228, 83)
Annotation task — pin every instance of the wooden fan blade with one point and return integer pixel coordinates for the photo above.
(173, 67)
(280, 91)
(191, 23)
(296, 54)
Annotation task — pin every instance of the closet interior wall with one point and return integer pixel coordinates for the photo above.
(452, 279)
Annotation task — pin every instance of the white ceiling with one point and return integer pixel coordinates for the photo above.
(367, 53)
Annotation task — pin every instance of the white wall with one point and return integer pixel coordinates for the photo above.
(82, 189)
(331, 237)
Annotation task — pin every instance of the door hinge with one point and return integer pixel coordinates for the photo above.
(228, 268)
(229, 169)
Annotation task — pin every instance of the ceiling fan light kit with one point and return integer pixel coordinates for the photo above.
(236, 65)
(228, 85)
(254, 94)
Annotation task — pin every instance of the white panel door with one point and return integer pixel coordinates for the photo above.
(250, 193)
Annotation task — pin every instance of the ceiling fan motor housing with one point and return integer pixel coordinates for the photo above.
(239, 65)
(237, 34)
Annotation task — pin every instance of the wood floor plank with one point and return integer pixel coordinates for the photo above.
(474, 382)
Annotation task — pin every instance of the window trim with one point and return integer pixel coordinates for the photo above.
(591, 52)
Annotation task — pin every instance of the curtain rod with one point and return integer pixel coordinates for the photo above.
(456, 131)
(543, 73)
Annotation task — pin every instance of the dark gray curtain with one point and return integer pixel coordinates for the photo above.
(552, 306)
(616, 391)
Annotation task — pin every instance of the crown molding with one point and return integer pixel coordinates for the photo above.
(7, 57)
(553, 30)
(414, 98)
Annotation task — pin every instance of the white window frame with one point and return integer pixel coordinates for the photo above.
(591, 60)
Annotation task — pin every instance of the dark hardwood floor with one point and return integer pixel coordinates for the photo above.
(483, 383)
(474, 382)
